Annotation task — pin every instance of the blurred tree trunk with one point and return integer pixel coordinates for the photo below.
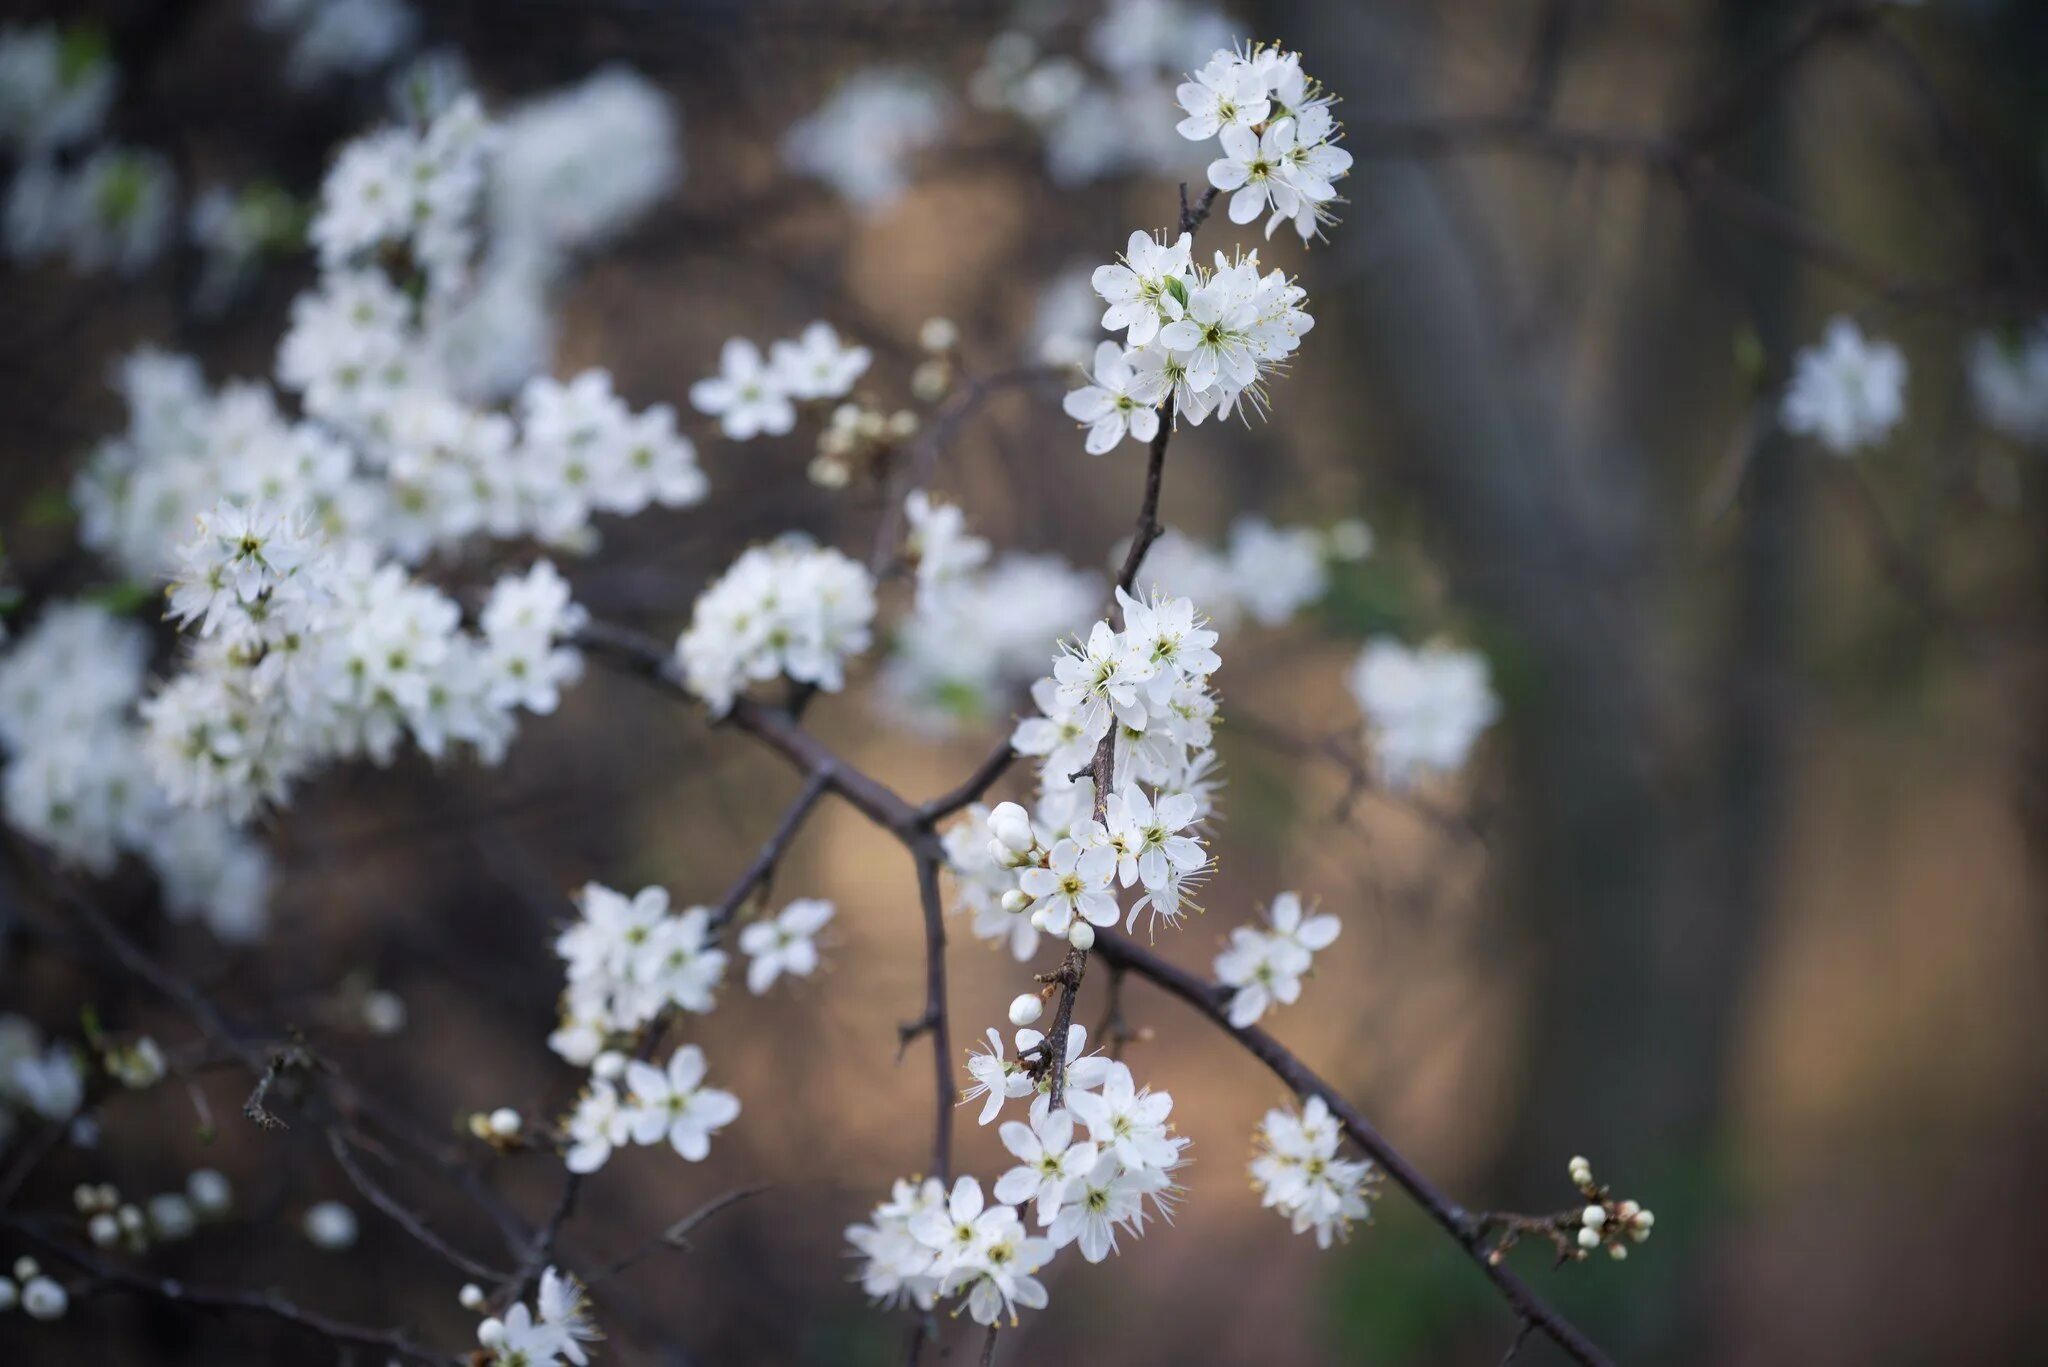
(1638, 894)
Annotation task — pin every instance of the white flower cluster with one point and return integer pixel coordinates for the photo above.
(628, 960)
(1264, 572)
(553, 1332)
(166, 1218)
(44, 1081)
(1093, 108)
(575, 167)
(670, 1103)
(2009, 382)
(307, 653)
(753, 397)
(408, 190)
(1423, 707)
(336, 39)
(1605, 1221)
(1847, 391)
(789, 608)
(1056, 871)
(1265, 964)
(56, 86)
(40, 1297)
(114, 210)
(1297, 1172)
(923, 1245)
(104, 208)
(392, 451)
(978, 631)
(784, 943)
(860, 140)
(1279, 139)
(79, 779)
(1206, 339)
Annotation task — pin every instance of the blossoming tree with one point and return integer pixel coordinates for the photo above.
(371, 549)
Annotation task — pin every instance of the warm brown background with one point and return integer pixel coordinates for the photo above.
(1752, 914)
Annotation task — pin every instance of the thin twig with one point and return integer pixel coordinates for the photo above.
(678, 1234)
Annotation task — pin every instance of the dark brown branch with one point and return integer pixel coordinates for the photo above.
(972, 788)
(897, 816)
(407, 1220)
(105, 1274)
(757, 873)
(676, 1235)
(934, 1021)
(1208, 999)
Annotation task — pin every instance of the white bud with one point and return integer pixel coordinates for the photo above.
(505, 1122)
(330, 1225)
(1042, 918)
(1081, 936)
(171, 1215)
(1011, 826)
(471, 1296)
(209, 1191)
(10, 1294)
(938, 334)
(130, 1218)
(1027, 1008)
(383, 1013)
(1350, 539)
(1628, 1210)
(1594, 1217)
(1589, 1238)
(931, 379)
(1015, 900)
(84, 1197)
(103, 1230)
(44, 1299)
(1618, 1252)
(609, 1065)
(1643, 1219)
(491, 1333)
(26, 1268)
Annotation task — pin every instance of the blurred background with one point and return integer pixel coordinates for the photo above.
(1742, 898)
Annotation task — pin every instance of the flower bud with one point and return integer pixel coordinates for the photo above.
(609, 1065)
(1042, 919)
(471, 1297)
(491, 1333)
(1589, 1238)
(1081, 936)
(10, 1295)
(938, 334)
(1618, 1252)
(26, 1268)
(1015, 900)
(1628, 1210)
(130, 1219)
(1011, 826)
(209, 1191)
(1027, 1008)
(44, 1299)
(1594, 1217)
(504, 1122)
(103, 1230)
(1643, 1219)
(171, 1216)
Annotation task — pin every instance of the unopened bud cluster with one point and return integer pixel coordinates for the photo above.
(1605, 1221)
(40, 1297)
(111, 1222)
(858, 439)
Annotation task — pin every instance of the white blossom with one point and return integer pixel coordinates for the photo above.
(1423, 708)
(1846, 391)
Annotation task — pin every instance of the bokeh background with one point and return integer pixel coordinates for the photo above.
(1743, 898)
